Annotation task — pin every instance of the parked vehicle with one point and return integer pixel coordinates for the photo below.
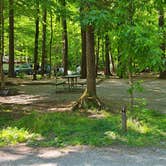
(25, 68)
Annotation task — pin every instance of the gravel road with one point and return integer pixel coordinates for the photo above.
(82, 156)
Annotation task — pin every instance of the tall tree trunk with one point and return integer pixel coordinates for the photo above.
(51, 37)
(120, 70)
(89, 97)
(102, 52)
(163, 44)
(11, 38)
(83, 56)
(36, 64)
(97, 54)
(2, 76)
(131, 83)
(113, 64)
(43, 66)
(130, 59)
(90, 55)
(65, 41)
(107, 57)
(83, 44)
(1, 44)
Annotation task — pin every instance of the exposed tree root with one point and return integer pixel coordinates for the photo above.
(87, 102)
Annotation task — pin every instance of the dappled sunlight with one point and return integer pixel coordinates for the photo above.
(111, 135)
(137, 126)
(80, 155)
(54, 153)
(20, 99)
(10, 156)
(42, 97)
(113, 92)
(60, 109)
(115, 136)
(14, 135)
(61, 129)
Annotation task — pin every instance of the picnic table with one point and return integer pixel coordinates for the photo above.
(72, 80)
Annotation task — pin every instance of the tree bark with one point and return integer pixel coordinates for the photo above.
(102, 52)
(107, 57)
(131, 83)
(113, 64)
(36, 64)
(90, 55)
(121, 69)
(2, 73)
(44, 42)
(11, 38)
(97, 54)
(163, 44)
(64, 40)
(51, 37)
(89, 98)
(83, 57)
(1, 44)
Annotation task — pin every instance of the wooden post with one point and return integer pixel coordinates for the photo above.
(124, 119)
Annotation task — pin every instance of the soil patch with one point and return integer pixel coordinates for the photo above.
(44, 96)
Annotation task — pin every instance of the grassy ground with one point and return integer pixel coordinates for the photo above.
(145, 128)
(40, 116)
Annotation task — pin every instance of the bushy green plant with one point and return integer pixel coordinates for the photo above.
(14, 135)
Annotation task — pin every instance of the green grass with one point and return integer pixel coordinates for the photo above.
(145, 128)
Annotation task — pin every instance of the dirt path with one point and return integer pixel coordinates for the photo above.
(115, 92)
(45, 97)
(82, 156)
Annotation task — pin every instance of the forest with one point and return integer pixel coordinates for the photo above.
(53, 32)
(115, 44)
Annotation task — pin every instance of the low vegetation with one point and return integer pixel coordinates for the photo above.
(145, 128)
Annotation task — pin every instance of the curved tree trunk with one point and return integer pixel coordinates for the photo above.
(11, 38)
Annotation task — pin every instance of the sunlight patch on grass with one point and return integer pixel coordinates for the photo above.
(136, 125)
(13, 135)
(59, 129)
(111, 135)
